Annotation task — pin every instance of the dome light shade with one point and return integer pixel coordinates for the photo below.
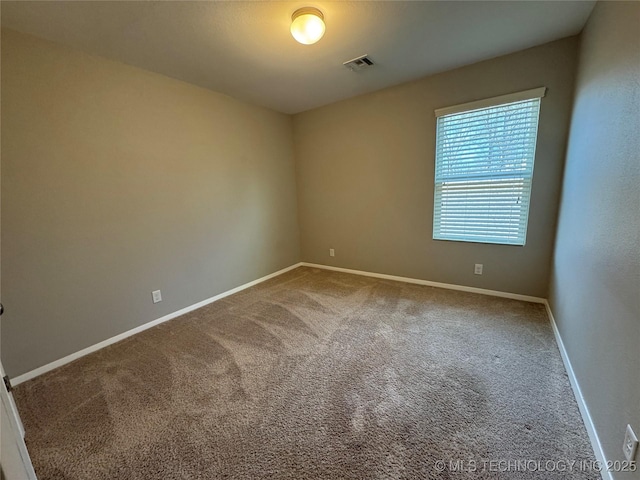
(307, 25)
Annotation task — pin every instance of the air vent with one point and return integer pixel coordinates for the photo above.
(359, 63)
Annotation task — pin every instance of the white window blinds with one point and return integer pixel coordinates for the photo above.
(484, 168)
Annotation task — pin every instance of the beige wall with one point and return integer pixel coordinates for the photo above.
(365, 171)
(595, 280)
(117, 182)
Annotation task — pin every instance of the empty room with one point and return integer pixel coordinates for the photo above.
(320, 240)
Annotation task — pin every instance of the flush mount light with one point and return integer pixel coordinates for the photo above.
(307, 25)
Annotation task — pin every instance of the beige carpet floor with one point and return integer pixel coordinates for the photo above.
(317, 375)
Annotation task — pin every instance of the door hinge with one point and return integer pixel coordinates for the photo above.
(7, 383)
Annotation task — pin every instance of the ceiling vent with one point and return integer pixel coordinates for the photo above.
(359, 63)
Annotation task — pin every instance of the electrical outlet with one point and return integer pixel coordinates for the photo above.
(332, 252)
(630, 444)
(157, 296)
(478, 269)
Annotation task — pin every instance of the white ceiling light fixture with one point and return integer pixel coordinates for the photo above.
(307, 25)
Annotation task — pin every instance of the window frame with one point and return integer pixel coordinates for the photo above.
(503, 100)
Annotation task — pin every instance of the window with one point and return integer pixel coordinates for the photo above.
(484, 167)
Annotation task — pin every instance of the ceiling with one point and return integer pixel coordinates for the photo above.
(244, 49)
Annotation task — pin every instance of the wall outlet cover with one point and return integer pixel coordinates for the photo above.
(478, 269)
(630, 446)
(157, 296)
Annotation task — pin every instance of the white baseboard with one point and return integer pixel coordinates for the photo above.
(582, 406)
(584, 411)
(448, 286)
(74, 356)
